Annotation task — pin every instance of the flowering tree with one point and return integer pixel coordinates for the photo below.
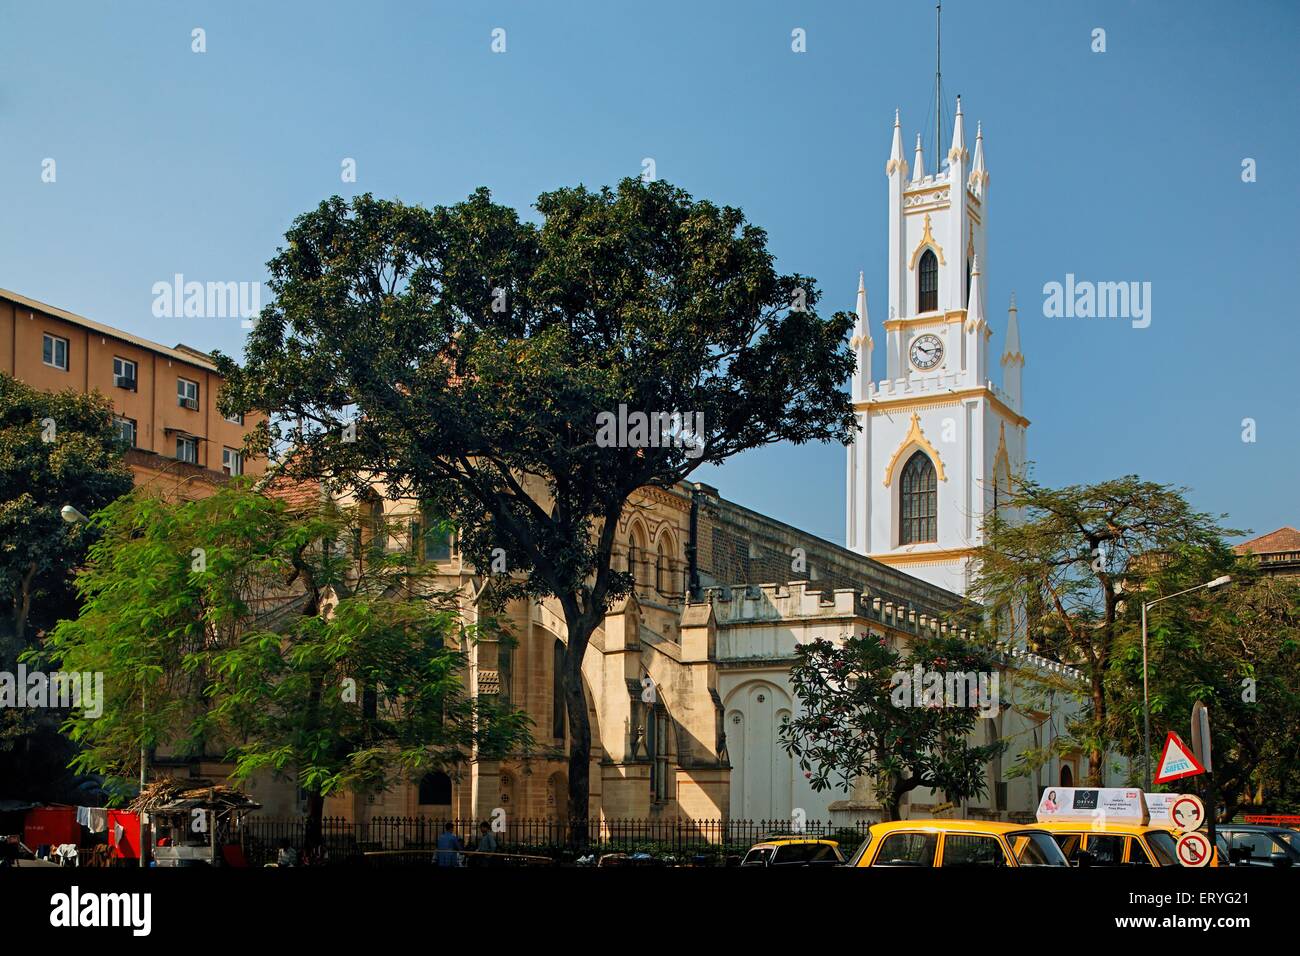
(861, 713)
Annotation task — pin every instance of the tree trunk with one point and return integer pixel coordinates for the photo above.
(891, 805)
(575, 705)
(313, 838)
(1097, 755)
(13, 633)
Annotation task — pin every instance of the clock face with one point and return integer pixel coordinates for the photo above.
(926, 352)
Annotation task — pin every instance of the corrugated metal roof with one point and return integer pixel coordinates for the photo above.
(181, 353)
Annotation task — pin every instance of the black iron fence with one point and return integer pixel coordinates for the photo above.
(415, 839)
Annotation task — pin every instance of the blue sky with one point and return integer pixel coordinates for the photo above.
(1123, 165)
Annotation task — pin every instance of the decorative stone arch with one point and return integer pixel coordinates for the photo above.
(1001, 463)
(927, 242)
(762, 773)
(557, 797)
(542, 640)
(435, 792)
(665, 555)
(914, 441)
(638, 549)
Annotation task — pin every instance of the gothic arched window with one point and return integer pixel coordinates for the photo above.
(919, 501)
(928, 283)
(637, 557)
(557, 692)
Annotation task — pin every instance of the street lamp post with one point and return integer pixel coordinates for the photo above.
(1146, 698)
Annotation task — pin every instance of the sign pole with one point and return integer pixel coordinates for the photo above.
(1201, 746)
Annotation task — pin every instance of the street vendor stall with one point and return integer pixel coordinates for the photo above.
(195, 822)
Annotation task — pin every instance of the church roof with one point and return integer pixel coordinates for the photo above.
(740, 547)
(1283, 539)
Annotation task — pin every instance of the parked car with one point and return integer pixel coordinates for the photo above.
(794, 851)
(1114, 844)
(958, 843)
(1257, 845)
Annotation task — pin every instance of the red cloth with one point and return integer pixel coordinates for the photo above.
(233, 854)
(51, 826)
(128, 848)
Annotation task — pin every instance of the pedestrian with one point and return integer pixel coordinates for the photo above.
(487, 841)
(449, 846)
(285, 856)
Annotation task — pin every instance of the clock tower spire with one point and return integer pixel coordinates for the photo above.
(937, 436)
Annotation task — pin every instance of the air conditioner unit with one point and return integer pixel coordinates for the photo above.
(124, 381)
(191, 403)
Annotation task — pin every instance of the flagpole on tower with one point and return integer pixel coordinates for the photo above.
(938, 89)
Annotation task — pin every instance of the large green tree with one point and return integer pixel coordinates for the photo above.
(1237, 649)
(901, 721)
(1059, 567)
(469, 356)
(56, 449)
(235, 621)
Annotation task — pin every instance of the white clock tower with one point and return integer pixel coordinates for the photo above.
(937, 441)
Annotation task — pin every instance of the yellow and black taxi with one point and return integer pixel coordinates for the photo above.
(957, 844)
(1114, 844)
(1119, 826)
(794, 850)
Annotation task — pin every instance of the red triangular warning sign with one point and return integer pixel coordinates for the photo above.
(1176, 761)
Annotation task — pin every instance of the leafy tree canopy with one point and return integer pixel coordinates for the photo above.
(468, 357)
(235, 622)
(55, 449)
(868, 711)
(1060, 565)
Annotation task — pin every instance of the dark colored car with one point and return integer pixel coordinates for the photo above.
(794, 851)
(1256, 845)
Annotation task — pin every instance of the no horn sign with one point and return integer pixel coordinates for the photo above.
(1176, 761)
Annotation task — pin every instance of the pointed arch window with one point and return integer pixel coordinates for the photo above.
(637, 557)
(968, 267)
(557, 691)
(928, 283)
(919, 501)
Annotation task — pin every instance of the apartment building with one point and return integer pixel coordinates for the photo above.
(165, 399)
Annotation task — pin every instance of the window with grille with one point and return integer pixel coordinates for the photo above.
(919, 493)
(928, 283)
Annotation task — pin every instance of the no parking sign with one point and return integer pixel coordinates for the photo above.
(1187, 812)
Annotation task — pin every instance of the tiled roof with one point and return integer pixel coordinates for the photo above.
(1283, 539)
(297, 495)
